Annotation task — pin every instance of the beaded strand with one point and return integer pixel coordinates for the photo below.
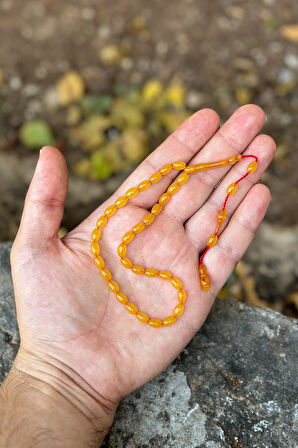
(147, 220)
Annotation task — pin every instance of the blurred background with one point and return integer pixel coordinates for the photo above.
(107, 81)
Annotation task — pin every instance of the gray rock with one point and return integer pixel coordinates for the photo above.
(233, 385)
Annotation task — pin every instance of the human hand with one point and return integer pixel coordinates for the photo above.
(69, 320)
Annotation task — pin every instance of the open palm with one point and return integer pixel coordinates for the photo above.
(65, 309)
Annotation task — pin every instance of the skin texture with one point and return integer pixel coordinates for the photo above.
(71, 325)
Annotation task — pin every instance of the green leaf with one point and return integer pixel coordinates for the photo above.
(96, 104)
(35, 134)
(100, 166)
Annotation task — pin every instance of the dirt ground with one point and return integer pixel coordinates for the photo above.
(224, 53)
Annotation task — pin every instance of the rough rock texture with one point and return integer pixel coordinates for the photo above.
(233, 386)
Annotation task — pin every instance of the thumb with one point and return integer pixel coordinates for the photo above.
(44, 203)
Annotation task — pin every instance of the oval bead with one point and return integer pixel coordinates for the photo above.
(204, 278)
(99, 262)
(176, 283)
(138, 227)
(221, 217)
(144, 185)
(252, 167)
(190, 169)
(165, 275)
(173, 188)
(155, 177)
(170, 320)
(121, 201)
(96, 234)
(121, 298)
(181, 296)
(164, 198)
(128, 237)
(148, 219)
(101, 222)
(234, 159)
(166, 169)
(131, 308)
(132, 192)
(142, 317)
(179, 165)
(113, 286)
(139, 270)
(155, 323)
(151, 273)
(182, 179)
(126, 262)
(212, 240)
(95, 250)
(178, 310)
(156, 209)
(106, 275)
(110, 210)
(232, 188)
(122, 249)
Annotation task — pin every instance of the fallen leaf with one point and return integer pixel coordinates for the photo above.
(96, 104)
(152, 90)
(134, 144)
(290, 32)
(100, 166)
(70, 88)
(243, 95)
(175, 95)
(35, 134)
(111, 54)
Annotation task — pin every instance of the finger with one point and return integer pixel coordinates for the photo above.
(232, 138)
(201, 224)
(44, 203)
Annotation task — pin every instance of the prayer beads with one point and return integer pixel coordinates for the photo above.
(148, 220)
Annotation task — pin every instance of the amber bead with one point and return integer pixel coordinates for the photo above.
(101, 222)
(96, 234)
(155, 177)
(181, 296)
(131, 308)
(156, 209)
(170, 320)
(173, 188)
(212, 240)
(165, 275)
(155, 323)
(221, 217)
(166, 169)
(204, 278)
(151, 272)
(138, 227)
(179, 165)
(232, 188)
(99, 262)
(190, 169)
(139, 270)
(182, 179)
(106, 275)
(110, 210)
(95, 250)
(126, 262)
(144, 185)
(128, 237)
(142, 317)
(164, 198)
(121, 201)
(176, 283)
(121, 298)
(132, 192)
(114, 287)
(122, 250)
(148, 219)
(234, 159)
(178, 310)
(252, 167)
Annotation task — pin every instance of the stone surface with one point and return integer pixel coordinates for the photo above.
(233, 385)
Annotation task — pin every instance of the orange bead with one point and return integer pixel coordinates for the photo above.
(113, 286)
(96, 234)
(179, 165)
(121, 201)
(148, 219)
(234, 159)
(170, 320)
(165, 275)
(131, 308)
(181, 296)
(182, 179)
(106, 275)
(166, 169)
(252, 167)
(178, 310)
(110, 210)
(95, 250)
(142, 317)
(101, 222)
(144, 185)
(221, 217)
(176, 283)
(132, 192)
(99, 262)
(212, 240)
(139, 270)
(126, 262)
(155, 177)
(164, 198)
(138, 227)
(155, 323)
(122, 250)
(151, 272)
(156, 209)
(173, 188)
(232, 188)
(204, 278)
(121, 298)
(128, 237)
(190, 169)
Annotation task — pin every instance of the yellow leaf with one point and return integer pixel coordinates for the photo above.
(175, 95)
(152, 90)
(70, 88)
(111, 54)
(290, 32)
(243, 96)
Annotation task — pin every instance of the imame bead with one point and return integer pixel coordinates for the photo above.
(182, 179)
(190, 169)
(234, 159)
(95, 250)
(212, 240)
(121, 201)
(178, 310)
(113, 286)
(144, 185)
(128, 237)
(132, 192)
(165, 275)
(232, 188)
(148, 219)
(252, 167)
(139, 270)
(138, 227)
(179, 165)
(155, 323)
(204, 278)
(221, 217)
(173, 188)
(164, 198)
(122, 250)
(121, 298)
(106, 275)
(166, 169)
(156, 209)
(101, 222)
(142, 317)
(151, 273)
(131, 308)
(155, 177)
(110, 210)
(99, 262)
(181, 296)
(126, 262)
(176, 283)
(96, 234)
(170, 320)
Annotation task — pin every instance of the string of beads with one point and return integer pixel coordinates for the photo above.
(147, 220)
